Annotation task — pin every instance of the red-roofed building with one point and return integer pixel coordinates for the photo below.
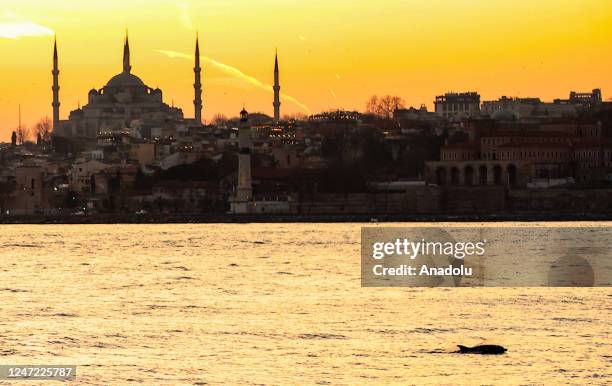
(517, 156)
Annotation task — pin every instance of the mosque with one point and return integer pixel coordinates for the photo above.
(126, 101)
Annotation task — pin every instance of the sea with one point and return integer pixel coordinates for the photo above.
(275, 304)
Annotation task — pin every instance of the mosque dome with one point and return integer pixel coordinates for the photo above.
(125, 79)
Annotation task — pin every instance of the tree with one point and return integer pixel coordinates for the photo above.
(22, 134)
(219, 119)
(43, 129)
(384, 107)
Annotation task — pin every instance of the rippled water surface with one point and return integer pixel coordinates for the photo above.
(273, 304)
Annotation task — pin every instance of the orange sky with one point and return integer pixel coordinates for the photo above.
(333, 54)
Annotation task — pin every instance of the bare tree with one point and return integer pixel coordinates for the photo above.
(23, 133)
(372, 105)
(385, 106)
(219, 119)
(43, 129)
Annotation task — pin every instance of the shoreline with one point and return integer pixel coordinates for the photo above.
(223, 218)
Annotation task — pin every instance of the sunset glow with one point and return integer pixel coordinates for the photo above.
(333, 54)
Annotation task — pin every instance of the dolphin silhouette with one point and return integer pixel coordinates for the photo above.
(482, 349)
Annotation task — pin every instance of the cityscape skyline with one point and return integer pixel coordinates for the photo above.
(240, 73)
(217, 191)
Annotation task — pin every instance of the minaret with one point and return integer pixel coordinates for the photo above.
(55, 88)
(126, 55)
(244, 192)
(276, 89)
(197, 85)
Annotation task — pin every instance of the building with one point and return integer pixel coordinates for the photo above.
(179, 158)
(29, 196)
(125, 101)
(187, 196)
(244, 191)
(511, 108)
(82, 173)
(587, 99)
(336, 116)
(242, 202)
(414, 114)
(523, 158)
(523, 108)
(143, 153)
(458, 105)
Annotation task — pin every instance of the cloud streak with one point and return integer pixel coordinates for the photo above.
(236, 73)
(18, 29)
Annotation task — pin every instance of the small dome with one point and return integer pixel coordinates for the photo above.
(125, 79)
(504, 115)
(244, 115)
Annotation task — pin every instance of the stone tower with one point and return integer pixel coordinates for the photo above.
(127, 68)
(245, 190)
(55, 88)
(276, 89)
(197, 85)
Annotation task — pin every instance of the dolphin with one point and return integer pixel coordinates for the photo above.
(482, 349)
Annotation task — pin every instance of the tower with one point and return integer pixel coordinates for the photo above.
(197, 85)
(245, 190)
(276, 89)
(55, 88)
(126, 55)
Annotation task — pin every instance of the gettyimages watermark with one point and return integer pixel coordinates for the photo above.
(486, 257)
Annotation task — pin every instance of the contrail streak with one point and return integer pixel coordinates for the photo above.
(236, 73)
